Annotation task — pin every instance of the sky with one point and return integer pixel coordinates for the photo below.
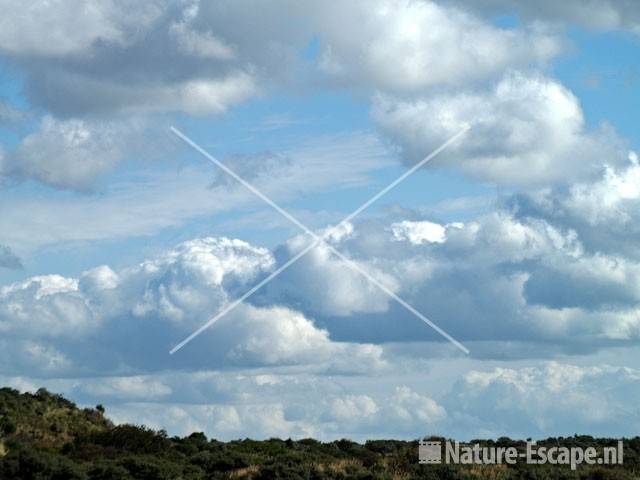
(520, 239)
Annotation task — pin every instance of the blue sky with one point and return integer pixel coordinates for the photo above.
(520, 240)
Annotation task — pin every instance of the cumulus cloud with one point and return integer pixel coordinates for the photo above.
(44, 306)
(128, 388)
(527, 130)
(603, 213)
(551, 399)
(406, 46)
(45, 28)
(280, 336)
(479, 400)
(267, 412)
(162, 300)
(203, 58)
(71, 154)
(200, 43)
(519, 274)
(127, 57)
(324, 284)
(421, 231)
(173, 292)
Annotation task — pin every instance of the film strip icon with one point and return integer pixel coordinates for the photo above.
(429, 452)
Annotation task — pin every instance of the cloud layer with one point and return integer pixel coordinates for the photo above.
(526, 130)
(550, 272)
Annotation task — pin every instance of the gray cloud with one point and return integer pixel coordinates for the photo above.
(202, 58)
(526, 130)
(8, 259)
(503, 277)
(9, 115)
(463, 401)
(107, 320)
(552, 398)
(72, 154)
(596, 14)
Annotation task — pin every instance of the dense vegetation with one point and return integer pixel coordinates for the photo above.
(44, 436)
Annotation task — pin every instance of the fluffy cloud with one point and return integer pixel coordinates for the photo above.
(71, 154)
(45, 28)
(45, 306)
(421, 231)
(527, 130)
(520, 273)
(404, 46)
(125, 57)
(162, 300)
(127, 388)
(552, 399)
(280, 336)
(202, 58)
(478, 400)
(323, 284)
(603, 213)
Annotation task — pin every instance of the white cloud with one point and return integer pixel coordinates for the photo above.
(262, 414)
(325, 284)
(71, 154)
(202, 58)
(410, 406)
(185, 285)
(602, 212)
(218, 421)
(61, 27)
(200, 43)
(420, 232)
(277, 336)
(552, 399)
(517, 274)
(471, 399)
(402, 46)
(353, 407)
(105, 320)
(165, 197)
(527, 130)
(45, 306)
(130, 388)
(520, 275)
(124, 57)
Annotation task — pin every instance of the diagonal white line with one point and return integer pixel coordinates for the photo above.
(361, 271)
(254, 190)
(403, 177)
(317, 240)
(237, 302)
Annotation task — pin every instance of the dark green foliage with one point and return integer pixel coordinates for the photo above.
(46, 437)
